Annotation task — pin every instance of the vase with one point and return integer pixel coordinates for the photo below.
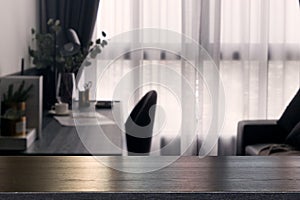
(66, 88)
(49, 89)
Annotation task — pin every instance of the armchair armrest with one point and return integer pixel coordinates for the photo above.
(258, 131)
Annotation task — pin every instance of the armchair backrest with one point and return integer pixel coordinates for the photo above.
(291, 115)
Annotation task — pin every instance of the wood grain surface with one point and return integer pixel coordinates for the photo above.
(187, 174)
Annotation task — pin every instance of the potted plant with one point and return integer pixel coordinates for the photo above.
(13, 108)
(51, 56)
(46, 60)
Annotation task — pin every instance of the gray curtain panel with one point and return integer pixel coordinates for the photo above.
(80, 15)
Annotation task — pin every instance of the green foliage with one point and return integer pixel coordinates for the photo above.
(44, 55)
(46, 50)
(21, 95)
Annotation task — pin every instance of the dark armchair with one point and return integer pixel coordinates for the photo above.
(254, 132)
(255, 135)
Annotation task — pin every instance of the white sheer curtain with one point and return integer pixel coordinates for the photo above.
(255, 44)
(181, 17)
(260, 47)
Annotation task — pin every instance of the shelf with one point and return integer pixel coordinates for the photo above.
(18, 143)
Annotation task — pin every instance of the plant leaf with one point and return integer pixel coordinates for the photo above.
(18, 93)
(98, 41)
(57, 22)
(104, 43)
(87, 63)
(50, 21)
(25, 94)
(97, 50)
(93, 54)
(10, 91)
(21, 87)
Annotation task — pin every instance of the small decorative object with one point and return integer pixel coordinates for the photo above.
(13, 108)
(60, 109)
(84, 96)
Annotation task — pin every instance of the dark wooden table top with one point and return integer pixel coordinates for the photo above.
(187, 174)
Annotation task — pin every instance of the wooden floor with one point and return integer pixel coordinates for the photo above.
(187, 175)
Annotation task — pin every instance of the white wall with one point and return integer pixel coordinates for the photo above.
(17, 17)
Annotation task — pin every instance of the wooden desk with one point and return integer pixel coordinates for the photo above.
(230, 177)
(61, 140)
